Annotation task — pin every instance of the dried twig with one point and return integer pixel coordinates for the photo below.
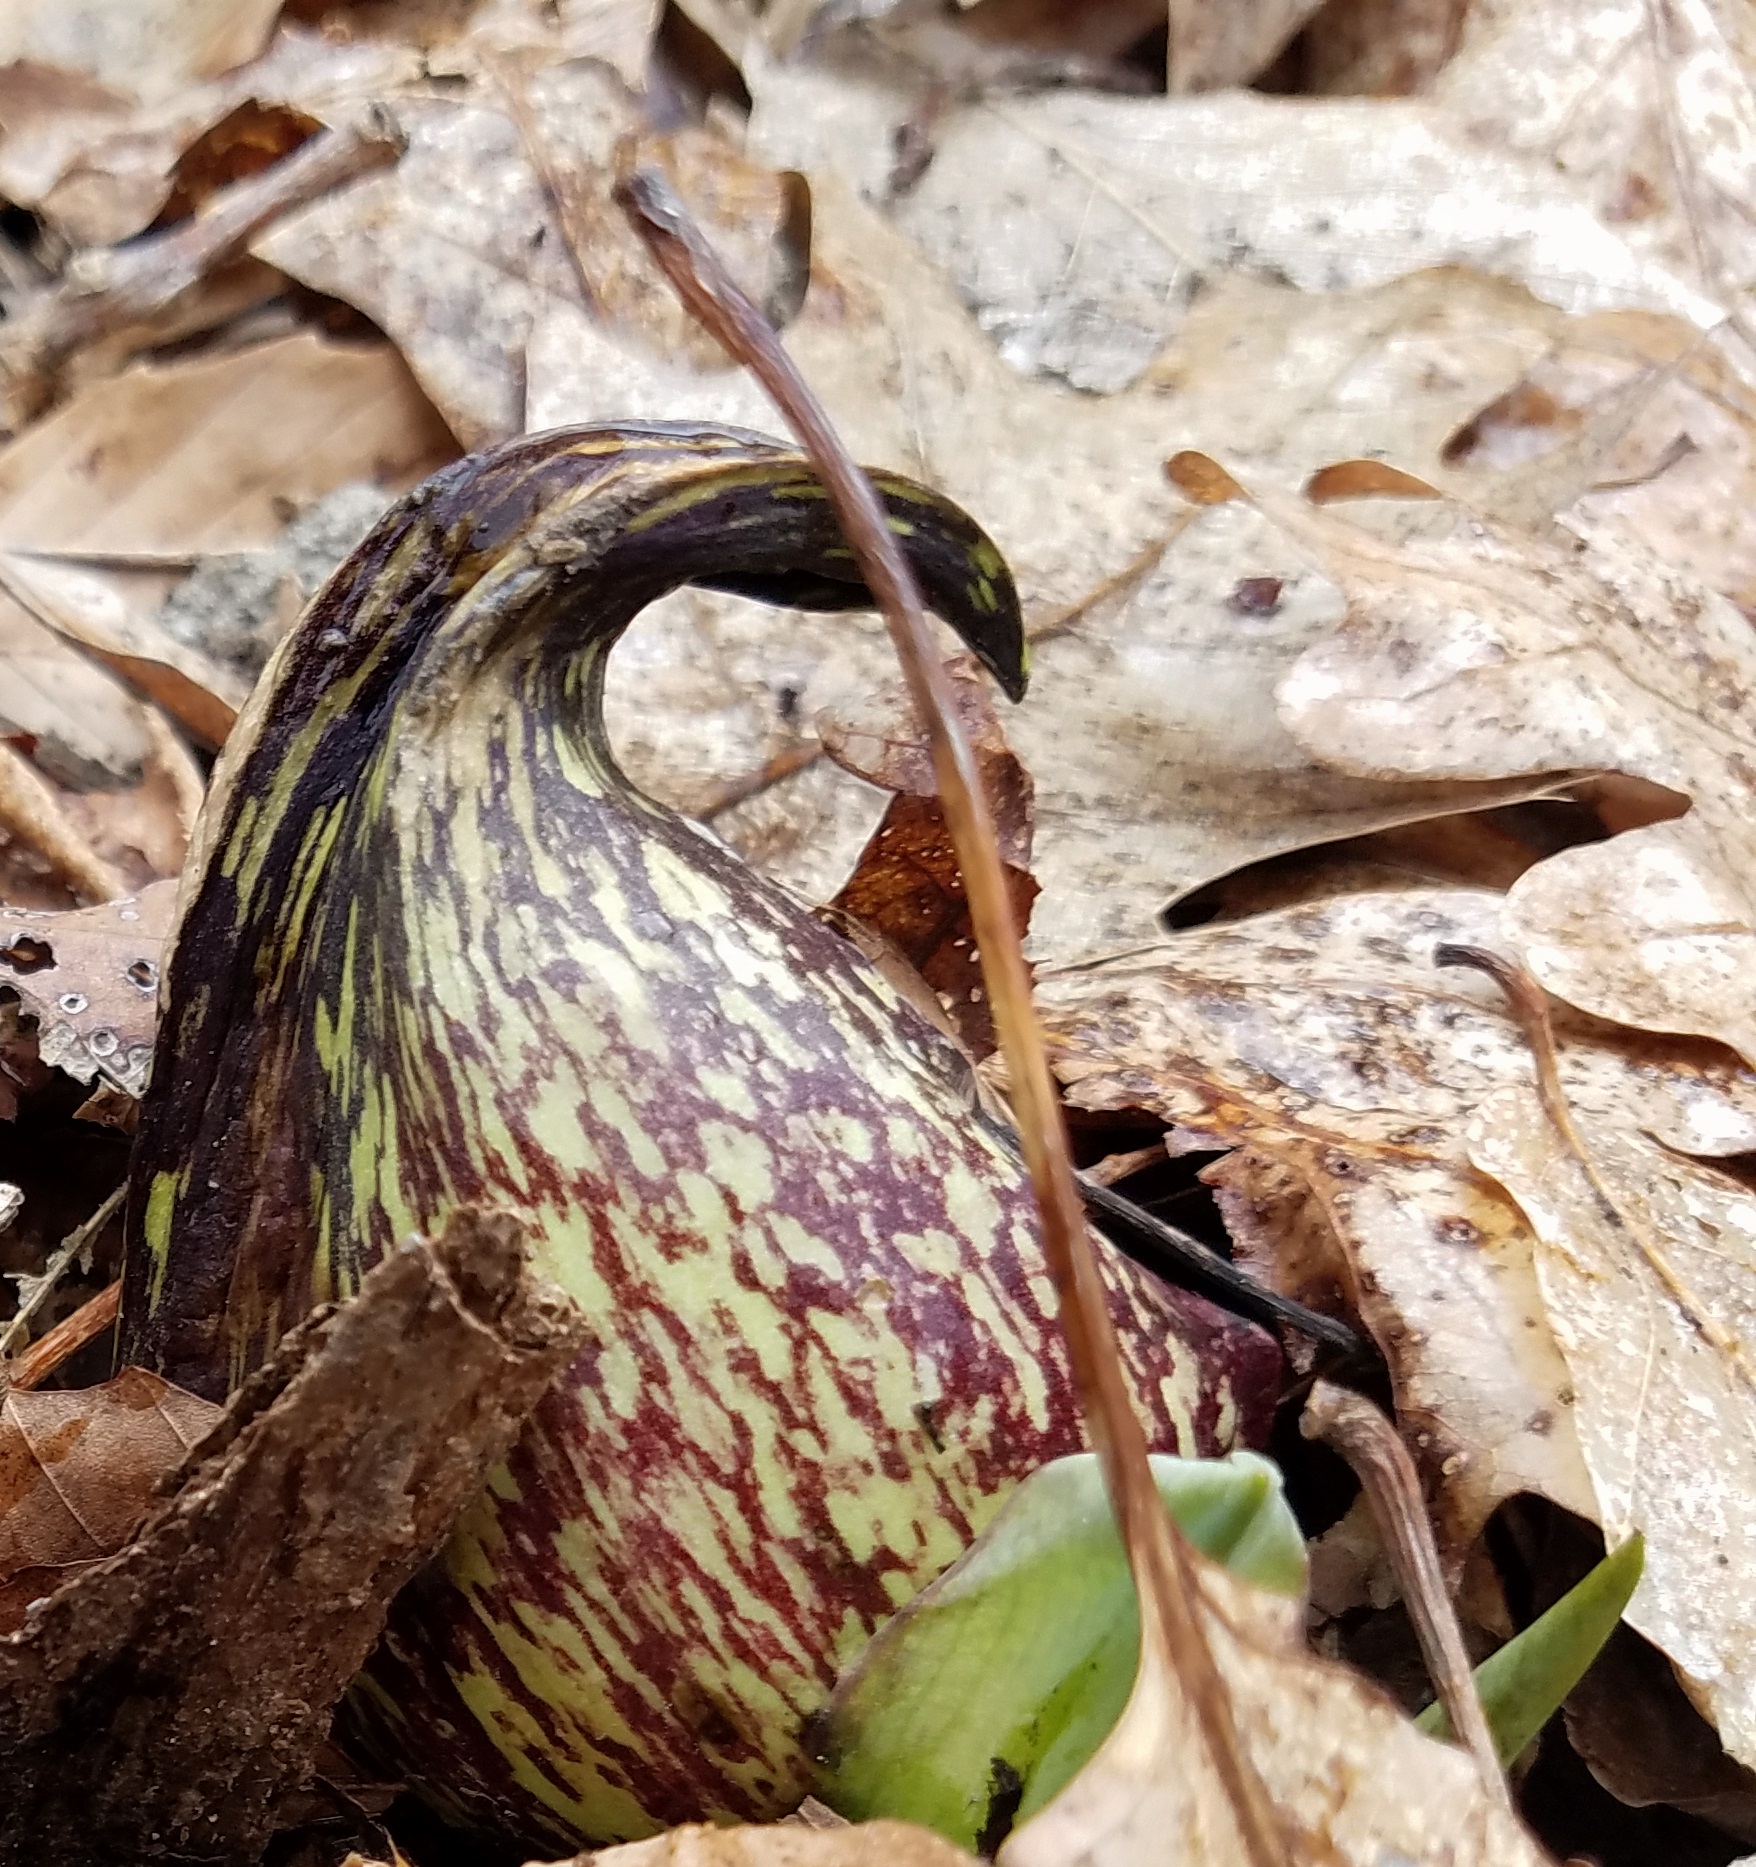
(1164, 1573)
(34, 1366)
(116, 289)
(38, 1289)
(31, 812)
(1373, 1447)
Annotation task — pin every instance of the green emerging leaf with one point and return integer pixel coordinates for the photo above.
(1522, 1686)
(990, 1690)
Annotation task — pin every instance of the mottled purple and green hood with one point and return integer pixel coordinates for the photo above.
(437, 950)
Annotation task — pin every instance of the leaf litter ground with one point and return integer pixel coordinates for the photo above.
(1512, 718)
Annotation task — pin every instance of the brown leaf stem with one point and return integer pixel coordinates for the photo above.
(1163, 1572)
(46, 1354)
(129, 285)
(30, 811)
(1359, 1431)
(1530, 1007)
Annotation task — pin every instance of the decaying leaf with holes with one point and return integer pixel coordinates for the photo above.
(439, 950)
(90, 978)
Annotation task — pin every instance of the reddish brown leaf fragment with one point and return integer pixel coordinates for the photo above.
(78, 1471)
(907, 887)
(1365, 479)
(1202, 479)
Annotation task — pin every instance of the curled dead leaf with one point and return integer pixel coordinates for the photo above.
(1646, 1261)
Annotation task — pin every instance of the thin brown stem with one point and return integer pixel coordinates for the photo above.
(1529, 1004)
(67, 1338)
(777, 770)
(1163, 1571)
(31, 812)
(40, 1288)
(1372, 1446)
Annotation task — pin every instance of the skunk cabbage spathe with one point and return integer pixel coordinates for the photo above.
(436, 950)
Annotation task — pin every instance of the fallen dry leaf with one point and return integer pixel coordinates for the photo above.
(163, 463)
(203, 454)
(1473, 849)
(173, 284)
(90, 979)
(1646, 1261)
(1488, 653)
(1350, 1778)
(155, 47)
(1322, 1045)
(452, 251)
(78, 1471)
(1645, 109)
(202, 695)
(500, 208)
(1635, 422)
(1099, 31)
(782, 1844)
(34, 824)
(1135, 202)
